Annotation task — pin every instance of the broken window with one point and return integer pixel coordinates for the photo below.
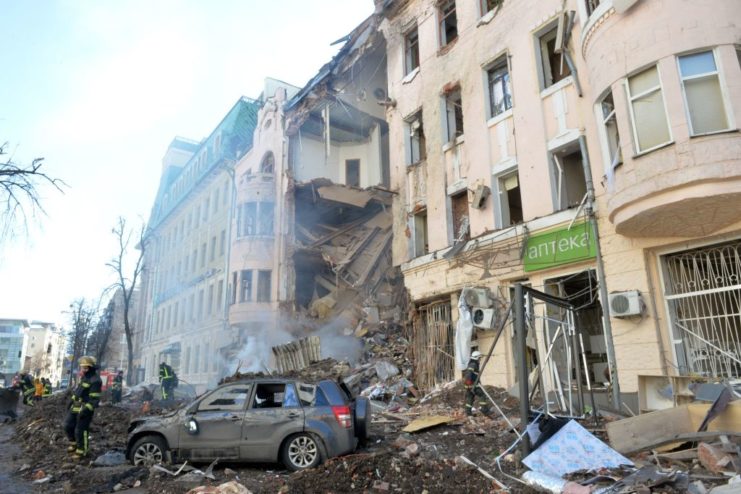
(510, 199)
(459, 206)
(703, 97)
(454, 114)
(592, 5)
(352, 173)
(570, 186)
(411, 50)
(421, 246)
(500, 90)
(275, 395)
(553, 65)
(245, 287)
(448, 22)
(650, 126)
(268, 164)
(263, 286)
(489, 5)
(415, 138)
(226, 398)
(610, 131)
(255, 218)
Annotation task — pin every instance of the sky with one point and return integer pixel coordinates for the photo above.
(100, 88)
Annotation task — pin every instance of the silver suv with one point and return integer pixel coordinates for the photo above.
(259, 420)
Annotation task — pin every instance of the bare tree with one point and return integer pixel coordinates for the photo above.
(84, 315)
(98, 340)
(127, 283)
(19, 191)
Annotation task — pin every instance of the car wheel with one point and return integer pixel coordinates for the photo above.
(362, 418)
(301, 451)
(148, 450)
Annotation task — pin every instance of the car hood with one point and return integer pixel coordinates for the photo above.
(155, 421)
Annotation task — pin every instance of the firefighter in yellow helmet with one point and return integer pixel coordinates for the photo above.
(84, 402)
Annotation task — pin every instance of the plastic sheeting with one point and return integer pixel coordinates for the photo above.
(463, 333)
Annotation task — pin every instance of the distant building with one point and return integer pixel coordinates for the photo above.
(181, 317)
(45, 350)
(13, 333)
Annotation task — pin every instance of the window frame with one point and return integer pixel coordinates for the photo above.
(610, 163)
(262, 275)
(483, 7)
(410, 138)
(498, 63)
(502, 198)
(721, 87)
(441, 20)
(425, 246)
(632, 98)
(411, 50)
(454, 133)
(541, 46)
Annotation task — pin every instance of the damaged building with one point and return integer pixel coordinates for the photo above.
(311, 235)
(554, 144)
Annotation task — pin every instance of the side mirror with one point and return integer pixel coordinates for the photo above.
(192, 427)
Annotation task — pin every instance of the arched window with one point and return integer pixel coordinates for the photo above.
(268, 163)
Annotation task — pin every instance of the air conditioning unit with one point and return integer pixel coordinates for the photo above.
(479, 196)
(626, 304)
(478, 297)
(484, 318)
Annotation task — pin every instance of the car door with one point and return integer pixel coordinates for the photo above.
(274, 413)
(219, 416)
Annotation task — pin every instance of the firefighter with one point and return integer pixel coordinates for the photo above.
(38, 389)
(168, 381)
(84, 401)
(470, 375)
(117, 387)
(28, 389)
(47, 387)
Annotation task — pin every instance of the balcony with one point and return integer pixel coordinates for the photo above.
(687, 190)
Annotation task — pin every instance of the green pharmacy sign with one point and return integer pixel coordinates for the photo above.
(562, 246)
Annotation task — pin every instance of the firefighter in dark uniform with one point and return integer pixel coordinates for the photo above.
(84, 401)
(167, 381)
(117, 387)
(47, 387)
(470, 375)
(28, 388)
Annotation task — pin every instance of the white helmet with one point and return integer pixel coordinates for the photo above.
(476, 355)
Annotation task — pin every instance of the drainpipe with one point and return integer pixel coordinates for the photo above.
(592, 219)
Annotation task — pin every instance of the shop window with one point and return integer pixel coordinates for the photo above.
(415, 139)
(552, 64)
(459, 206)
(421, 246)
(263, 286)
(569, 183)
(411, 50)
(245, 287)
(703, 97)
(609, 131)
(352, 173)
(448, 22)
(453, 115)
(500, 90)
(648, 116)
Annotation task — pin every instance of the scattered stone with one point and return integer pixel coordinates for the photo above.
(712, 458)
(24, 467)
(229, 472)
(118, 487)
(412, 450)
(38, 474)
(110, 459)
(230, 487)
(43, 480)
(381, 485)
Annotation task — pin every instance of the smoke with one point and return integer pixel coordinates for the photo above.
(255, 355)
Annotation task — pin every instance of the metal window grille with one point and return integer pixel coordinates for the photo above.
(433, 346)
(703, 293)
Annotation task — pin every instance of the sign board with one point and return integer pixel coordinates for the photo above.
(561, 246)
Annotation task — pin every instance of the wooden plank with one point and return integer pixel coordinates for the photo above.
(650, 430)
(427, 422)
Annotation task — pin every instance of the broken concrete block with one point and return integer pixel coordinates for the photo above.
(412, 450)
(712, 457)
(110, 459)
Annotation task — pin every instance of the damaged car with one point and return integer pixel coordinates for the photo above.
(259, 420)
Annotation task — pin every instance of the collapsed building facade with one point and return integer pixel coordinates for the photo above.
(313, 224)
(561, 146)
